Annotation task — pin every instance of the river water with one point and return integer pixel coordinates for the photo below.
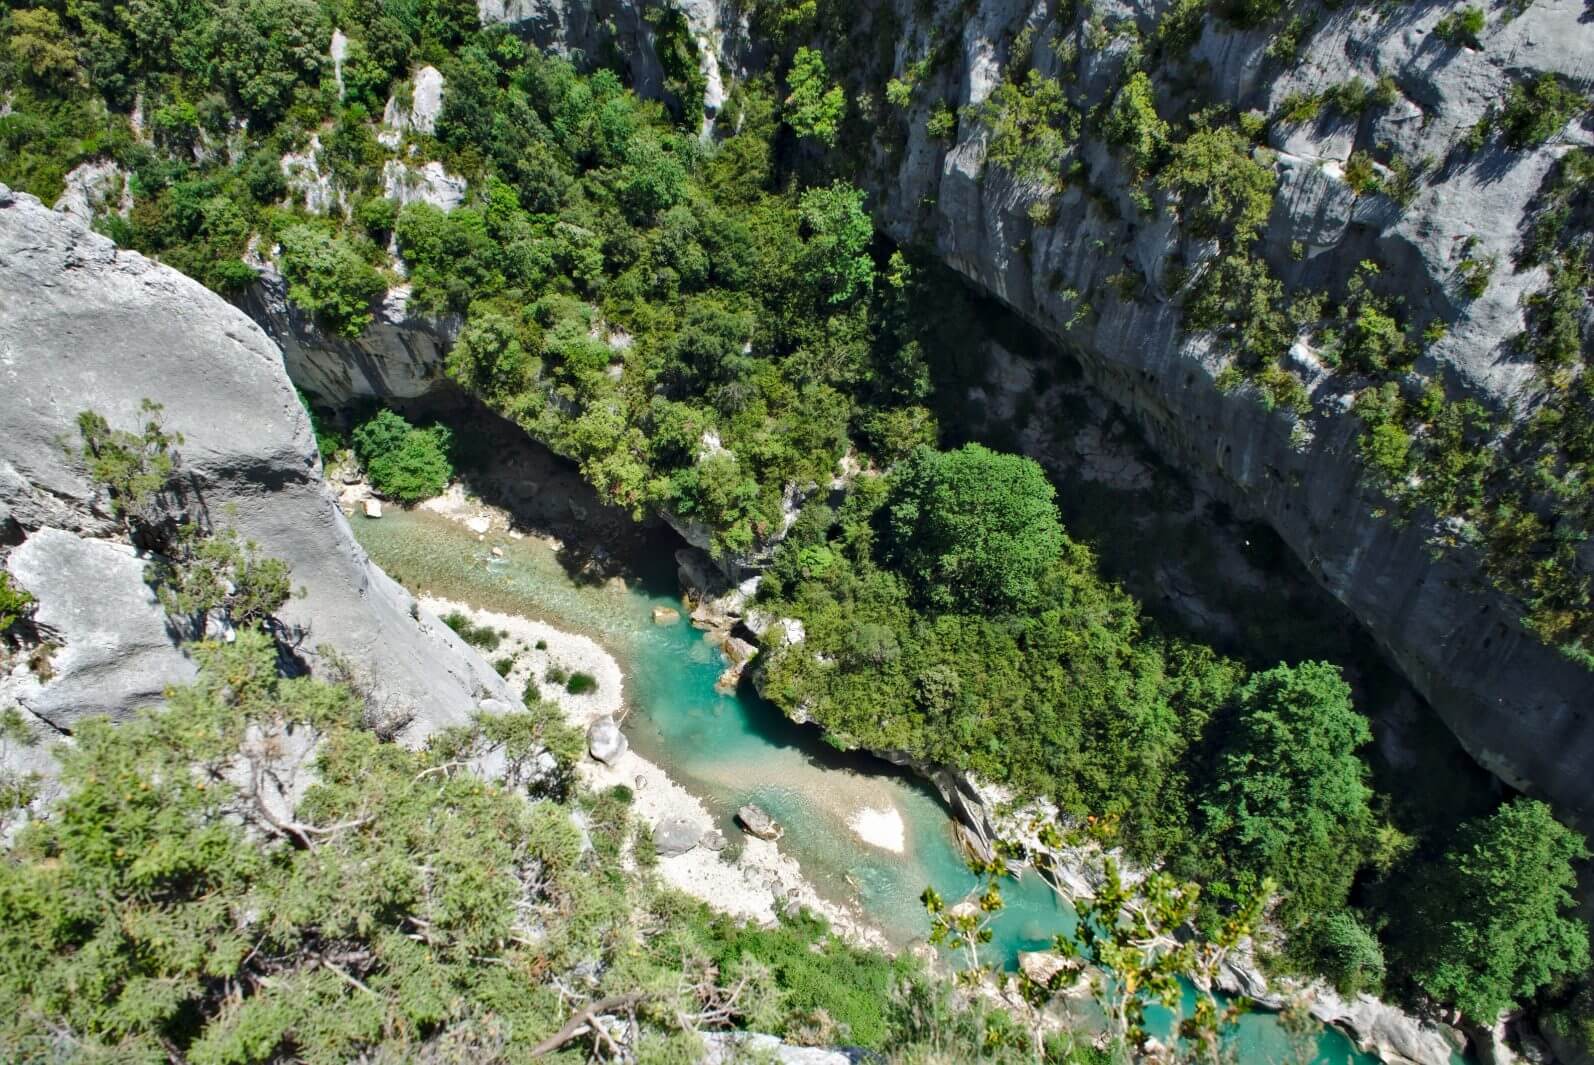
(734, 749)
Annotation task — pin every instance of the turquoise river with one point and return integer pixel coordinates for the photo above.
(734, 749)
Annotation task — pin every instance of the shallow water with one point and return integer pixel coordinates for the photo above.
(730, 750)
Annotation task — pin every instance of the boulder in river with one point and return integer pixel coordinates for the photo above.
(479, 524)
(676, 835)
(665, 615)
(755, 821)
(605, 741)
(373, 508)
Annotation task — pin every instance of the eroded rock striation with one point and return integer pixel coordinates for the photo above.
(84, 325)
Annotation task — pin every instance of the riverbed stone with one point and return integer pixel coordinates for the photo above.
(665, 615)
(756, 821)
(676, 835)
(605, 741)
(373, 508)
(713, 840)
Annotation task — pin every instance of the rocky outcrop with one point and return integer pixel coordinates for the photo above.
(755, 821)
(84, 325)
(605, 741)
(400, 356)
(1519, 707)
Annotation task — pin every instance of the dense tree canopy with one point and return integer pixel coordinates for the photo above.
(973, 529)
(1288, 797)
(1495, 922)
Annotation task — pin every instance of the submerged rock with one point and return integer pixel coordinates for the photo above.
(665, 615)
(676, 835)
(605, 741)
(755, 821)
(373, 508)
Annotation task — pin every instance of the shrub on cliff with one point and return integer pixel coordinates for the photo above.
(329, 278)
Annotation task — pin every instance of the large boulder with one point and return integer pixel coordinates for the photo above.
(605, 741)
(85, 325)
(676, 835)
(112, 651)
(756, 821)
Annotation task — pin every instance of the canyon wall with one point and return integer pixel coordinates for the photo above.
(85, 326)
(1519, 707)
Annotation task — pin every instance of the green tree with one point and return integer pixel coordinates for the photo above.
(328, 278)
(1219, 185)
(1133, 123)
(835, 262)
(1495, 922)
(1289, 797)
(974, 529)
(1340, 946)
(403, 462)
(813, 108)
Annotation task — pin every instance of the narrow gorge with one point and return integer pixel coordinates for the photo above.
(1151, 437)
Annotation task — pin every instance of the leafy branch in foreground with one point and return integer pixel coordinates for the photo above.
(1136, 944)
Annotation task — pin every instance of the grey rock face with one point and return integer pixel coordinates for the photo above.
(398, 357)
(605, 741)
(676, 835)
(114, 652)
(86, 326)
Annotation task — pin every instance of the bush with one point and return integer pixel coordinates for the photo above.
(579, 683)
(973, 529)
(1461, 27)
(482, 637)
(1536, 112)
(1339, 946)
(330, 279)
(403, 462)
(1497, 921)
(813, 109)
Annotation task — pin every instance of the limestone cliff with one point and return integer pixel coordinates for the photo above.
(83, 325)
(1518, 706)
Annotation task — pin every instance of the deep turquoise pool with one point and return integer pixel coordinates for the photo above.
(734, 749)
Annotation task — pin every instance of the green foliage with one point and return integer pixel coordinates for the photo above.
(134, 468)
(1537, 111)
(220, 572)
(1133, 124)
(813, 108)
(835, 261)
(973, 529)
(401, 461)
(1339, 946)
(1461, 28)
(1220, 187)
(15, 603)
(1032, 128)
(328, 277)
(844, 990)
(1065, 698)
(579, 683)
(1288, 798)
(1495, 922)
(481, 637)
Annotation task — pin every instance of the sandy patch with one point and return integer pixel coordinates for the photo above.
(759, 881)
(881, 828)
(559, 650)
